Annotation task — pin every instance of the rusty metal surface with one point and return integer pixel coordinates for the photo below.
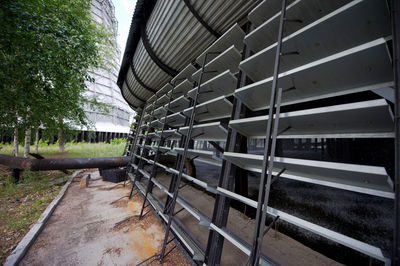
(63, 163)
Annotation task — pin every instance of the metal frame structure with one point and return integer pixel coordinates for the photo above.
(215, 79)
(396, 67)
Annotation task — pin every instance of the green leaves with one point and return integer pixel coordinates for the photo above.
(46, 50)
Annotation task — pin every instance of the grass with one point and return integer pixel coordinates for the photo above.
(22, 204)
(81, 149)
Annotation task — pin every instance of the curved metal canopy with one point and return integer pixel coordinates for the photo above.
(165, 36)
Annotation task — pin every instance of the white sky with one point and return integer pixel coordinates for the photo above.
(123, 13)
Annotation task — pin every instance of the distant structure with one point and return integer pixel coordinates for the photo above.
(116, 122)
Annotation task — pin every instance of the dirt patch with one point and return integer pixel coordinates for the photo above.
(108, 188)
(113, 250)
(122, 203)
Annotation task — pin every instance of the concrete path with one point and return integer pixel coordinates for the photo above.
(82, 230)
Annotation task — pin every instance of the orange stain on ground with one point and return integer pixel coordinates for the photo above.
(142, 244)
(133, 207)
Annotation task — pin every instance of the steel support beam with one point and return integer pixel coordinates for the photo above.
(396, 65)
(146, 43)
(200, 19)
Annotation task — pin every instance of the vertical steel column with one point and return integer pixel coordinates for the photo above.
(222, 203)
(157, 154)
(264, 189)
(170, 211)
(396, 66)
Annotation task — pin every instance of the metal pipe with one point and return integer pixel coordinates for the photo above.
(63, 163)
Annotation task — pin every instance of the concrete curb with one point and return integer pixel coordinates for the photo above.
(24, 245)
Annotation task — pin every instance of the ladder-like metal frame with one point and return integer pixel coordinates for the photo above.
(141, 163)
(269, 149)
(157, 155)
(226, 180)
(132, 150)
(222, 202)
(171, 207)
(129, 141)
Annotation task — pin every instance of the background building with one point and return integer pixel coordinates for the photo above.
(105, 88)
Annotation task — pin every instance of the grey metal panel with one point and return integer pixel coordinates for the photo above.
(369, 65)
(162, 100)
(166, 88)
(305, 10)
(172, 134)
(371, 119)
(264, 11)
(223, 84)
(209, 131)
(186, 73)
(352, 243)
(215, 162)
(233, 36)
(353, 24)
(231, 239)
(156, 124)
(201, 155)
(175, 120)
(152, 98)
(229, 59)
(189, 178)
(179, 104)
(160, 112)
(193, 153)
(153, 135)
(214, 109)
(182, 88)
(366, 179)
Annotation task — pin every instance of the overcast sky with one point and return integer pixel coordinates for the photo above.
(123, 13)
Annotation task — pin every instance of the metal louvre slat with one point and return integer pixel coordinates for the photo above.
(316, 40)
(369, 64)
(369, 119)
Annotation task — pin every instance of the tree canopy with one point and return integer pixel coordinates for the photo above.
(47, 49)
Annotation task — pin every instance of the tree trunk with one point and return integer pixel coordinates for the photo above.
(60, 136)
(37, 141)
(15, 143)
(27, 142)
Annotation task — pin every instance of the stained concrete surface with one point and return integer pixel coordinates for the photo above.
(82, 230)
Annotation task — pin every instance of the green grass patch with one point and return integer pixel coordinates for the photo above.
(80, 149)
(22, 204)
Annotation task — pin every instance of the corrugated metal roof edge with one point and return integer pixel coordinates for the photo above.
(142, 13)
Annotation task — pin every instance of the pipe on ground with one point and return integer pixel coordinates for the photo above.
(63, 163)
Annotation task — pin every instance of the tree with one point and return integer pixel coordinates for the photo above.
(47, 48)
